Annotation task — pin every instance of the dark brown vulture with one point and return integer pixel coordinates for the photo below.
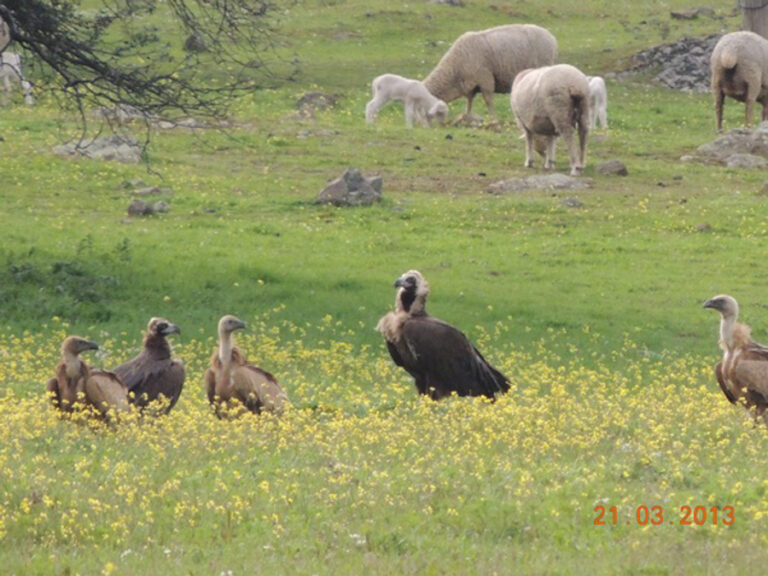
(78, 384)
(154, 373)
(743, 371)
(440, 358)
(232, 384)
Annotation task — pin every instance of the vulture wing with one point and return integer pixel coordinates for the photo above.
(210, 384)
(752, 375)
(449, 361)
(258, 389)
(147, 378)
(723, 384)
(394, 353)
(105, 391)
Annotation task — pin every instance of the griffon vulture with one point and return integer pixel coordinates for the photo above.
(231, 383)
(153, 373)
(440, 358)
(743, 371)
(77, 384)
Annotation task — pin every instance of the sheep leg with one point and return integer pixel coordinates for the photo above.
(583, 133)
(420, 116)
(603, 118)
(528, 148)
(469, 104)
(549, 152)
(719, 102)
(749, 105)
(576, 167)
(372, 109)
(488, 97)
(409, 112)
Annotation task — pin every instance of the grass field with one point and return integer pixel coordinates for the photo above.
(594, 313)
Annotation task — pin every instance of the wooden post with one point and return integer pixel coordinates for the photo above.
(755, 16)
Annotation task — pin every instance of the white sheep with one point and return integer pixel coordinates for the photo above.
(419, 104)
(598, 103)
(739, 66)
(487, 61)
(550, 102)
(10, 69)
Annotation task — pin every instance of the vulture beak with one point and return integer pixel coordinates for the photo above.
(399, 283)
(712, 303)
(240, 325)
(171, 329)
(88, 345)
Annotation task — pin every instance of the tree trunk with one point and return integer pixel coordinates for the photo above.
(755, 16)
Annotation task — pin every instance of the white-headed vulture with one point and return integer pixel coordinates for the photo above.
(232, 384)
(154, 373)
(440, 358)
(743, 371)
(76, 383)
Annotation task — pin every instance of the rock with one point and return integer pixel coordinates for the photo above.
(572, 203)
(449, 2)
(746, 161)
(125, 150)
(690, 14)
(122, 113)
(703, 228)
(195, 43)
(682, 65)
(539, 182)
(136, 183)
(612, 168)
(142, 208)
(316, 101)
(351, 189)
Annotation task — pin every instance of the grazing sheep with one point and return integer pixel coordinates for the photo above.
(739, 68)
(598, 103)
(419, 104)
(487, 61)
(10, 69)
(549, 102)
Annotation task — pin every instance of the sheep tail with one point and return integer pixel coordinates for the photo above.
(578, 109)
(729, 58)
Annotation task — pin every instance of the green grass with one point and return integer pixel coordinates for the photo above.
(549, 292)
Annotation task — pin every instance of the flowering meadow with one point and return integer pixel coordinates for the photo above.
(361, 475)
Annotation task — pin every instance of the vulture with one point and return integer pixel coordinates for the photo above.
(743, 371)
(232, 384)
(439, 357)
(154, 373)
(76, 384)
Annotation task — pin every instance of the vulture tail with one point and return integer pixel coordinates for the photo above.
(491, 380)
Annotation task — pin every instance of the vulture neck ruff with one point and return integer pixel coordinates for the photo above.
(157, 342)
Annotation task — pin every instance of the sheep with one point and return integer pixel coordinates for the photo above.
(598, 103)
(739, 66)
(549, 102)
(10, 68)
(487, 61)
(419, 104)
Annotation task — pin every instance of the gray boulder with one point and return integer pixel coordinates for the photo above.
(121, 149)
(143, 208)
(553, 181)
(351, 189)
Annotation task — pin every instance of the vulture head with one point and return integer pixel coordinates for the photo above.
(229, 324)
(726, 305)
(161, 327)
(412, 292)
(74, 345)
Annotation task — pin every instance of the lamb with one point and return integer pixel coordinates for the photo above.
(419, 104)
(739, 66)
(10, 68)
(487, 61)
(598, 103)
(549, 102)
